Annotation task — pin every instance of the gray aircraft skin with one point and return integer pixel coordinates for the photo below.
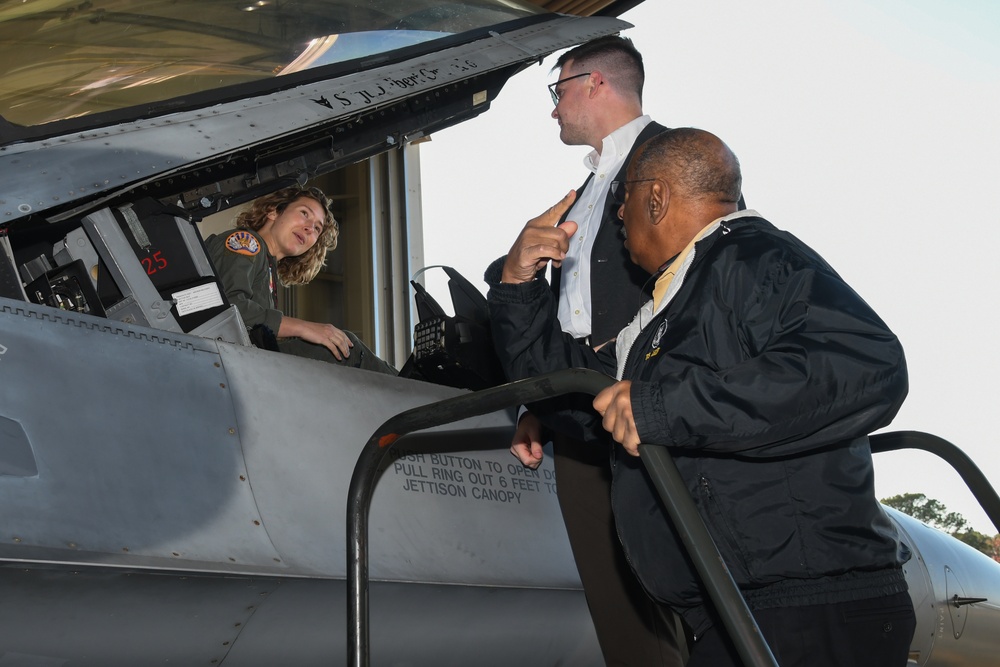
(171, 494)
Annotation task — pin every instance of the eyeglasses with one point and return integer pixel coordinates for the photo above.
(552, 86)
(618, 188)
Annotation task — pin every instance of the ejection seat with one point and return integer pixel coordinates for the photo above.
(141, 263)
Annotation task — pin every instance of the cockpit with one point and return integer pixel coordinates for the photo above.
(132, 131)
(139, 262)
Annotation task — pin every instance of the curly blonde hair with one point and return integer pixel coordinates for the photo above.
(300, 269)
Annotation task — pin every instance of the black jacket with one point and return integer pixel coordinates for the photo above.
(764, 372)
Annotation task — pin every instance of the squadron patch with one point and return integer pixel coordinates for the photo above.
(243, 242)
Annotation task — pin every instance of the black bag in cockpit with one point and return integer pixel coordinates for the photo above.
(453, 350)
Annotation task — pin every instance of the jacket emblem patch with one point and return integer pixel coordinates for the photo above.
(655, 347)
(660, 330)
(243, 242)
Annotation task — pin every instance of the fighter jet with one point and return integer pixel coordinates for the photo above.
(170, 493)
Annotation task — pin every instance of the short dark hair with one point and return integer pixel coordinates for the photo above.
(615, 56)
(696, 161)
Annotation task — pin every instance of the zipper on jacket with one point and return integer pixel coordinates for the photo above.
(715, 516)
(675, 287)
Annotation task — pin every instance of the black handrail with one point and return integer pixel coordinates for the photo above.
(959, 460)
(722, 590)
(680, 506)
(719, 583)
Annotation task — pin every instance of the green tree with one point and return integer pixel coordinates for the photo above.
(934, 513)
(976, 540)
(930, 511)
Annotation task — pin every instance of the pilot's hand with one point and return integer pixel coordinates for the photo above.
(336, 341)
(614, 404)
(527, 442)
(540, 242)
(326, 335)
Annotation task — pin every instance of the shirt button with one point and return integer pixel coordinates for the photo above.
(576, 312)
(602, 175)
(576, 273)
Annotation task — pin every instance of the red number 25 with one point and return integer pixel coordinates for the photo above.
(154, 263)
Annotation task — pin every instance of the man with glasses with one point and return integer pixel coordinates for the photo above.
(598, 103)
(763, 373)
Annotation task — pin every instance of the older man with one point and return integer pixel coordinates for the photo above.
(763, 372)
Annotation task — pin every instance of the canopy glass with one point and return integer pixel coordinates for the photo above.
(61, 60)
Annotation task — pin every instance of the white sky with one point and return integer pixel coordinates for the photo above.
(868, 129)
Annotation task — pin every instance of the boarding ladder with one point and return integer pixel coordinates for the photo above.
(680, 507)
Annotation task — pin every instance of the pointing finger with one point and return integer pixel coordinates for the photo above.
(555, 213)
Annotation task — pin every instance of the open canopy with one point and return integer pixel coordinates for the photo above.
(209, 104)
(61, 60)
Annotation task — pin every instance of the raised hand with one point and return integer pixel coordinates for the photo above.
(541, 241)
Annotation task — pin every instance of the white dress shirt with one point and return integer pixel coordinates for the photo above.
(574, 286)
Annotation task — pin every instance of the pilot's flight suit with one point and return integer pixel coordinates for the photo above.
(248, 272)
